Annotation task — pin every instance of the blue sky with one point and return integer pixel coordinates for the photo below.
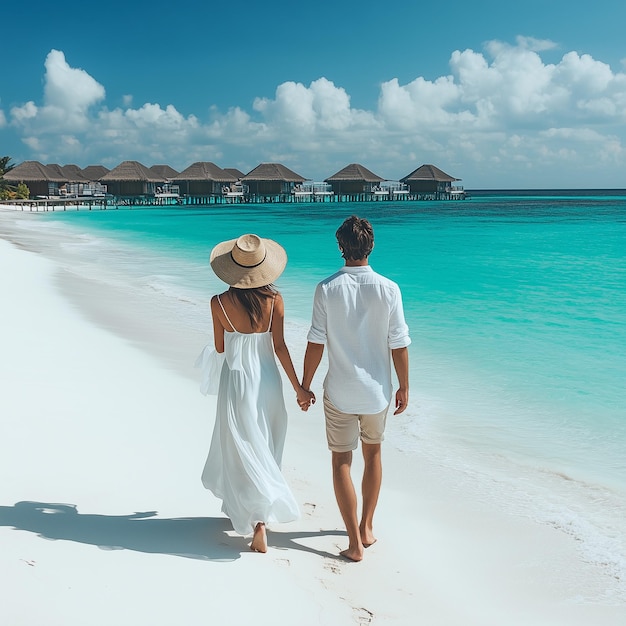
(519, 95)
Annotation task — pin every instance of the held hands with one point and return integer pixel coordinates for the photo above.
(305, 398)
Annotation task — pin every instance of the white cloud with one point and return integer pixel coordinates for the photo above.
(583, 74)
(69, 89)
(237, 125)
(421, 104)
(496, 111)
(35, 145)
(513, 89)
(317, 108)
(69, 94)
(26, 112)
(153, 116)
(536, 45)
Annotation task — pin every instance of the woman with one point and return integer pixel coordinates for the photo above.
(243, 466)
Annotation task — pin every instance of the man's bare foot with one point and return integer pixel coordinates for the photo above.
(367, 536)
(259, 541)
(352, 554)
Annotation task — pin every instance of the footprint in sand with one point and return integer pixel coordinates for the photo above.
(362, 616)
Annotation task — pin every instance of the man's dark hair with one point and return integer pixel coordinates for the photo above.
(355, 238)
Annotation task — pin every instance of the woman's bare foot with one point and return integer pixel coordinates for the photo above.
(259, 541)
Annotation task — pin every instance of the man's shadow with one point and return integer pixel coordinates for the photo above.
(190, 537)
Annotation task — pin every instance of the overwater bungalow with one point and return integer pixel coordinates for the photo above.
(131, 179)
(41, 180)
(80, 185)
(167, 189)
(235, 192)
(76, 185)
(204, 183)
(354, 180)
(428, 181)
(72, 176)
(273, 181)
(203, 179)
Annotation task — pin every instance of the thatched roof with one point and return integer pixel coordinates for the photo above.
(353, 172)
(428, 172)
(56, 169)
(74, 173)
(95, 172)
(273, 171)
(205, 170)
(69, 173)
(131, 171)
(233, 171)
(165, 172)
(33, 171)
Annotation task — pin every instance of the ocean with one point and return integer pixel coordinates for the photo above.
(516, 304)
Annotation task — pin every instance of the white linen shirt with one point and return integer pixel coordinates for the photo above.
(358, 315)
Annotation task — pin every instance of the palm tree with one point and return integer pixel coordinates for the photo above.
(5, 166)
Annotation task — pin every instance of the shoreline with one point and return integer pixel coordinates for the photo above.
(470, 564)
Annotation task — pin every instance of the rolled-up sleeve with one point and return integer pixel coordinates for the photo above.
(317, 332)
(398, 336)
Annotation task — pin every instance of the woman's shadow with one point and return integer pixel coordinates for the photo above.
(190, 537)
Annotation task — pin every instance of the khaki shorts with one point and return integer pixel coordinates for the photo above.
(344, 429)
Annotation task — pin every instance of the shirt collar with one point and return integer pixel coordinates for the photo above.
(356, 269)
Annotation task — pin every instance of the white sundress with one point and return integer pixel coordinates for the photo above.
(243, 465)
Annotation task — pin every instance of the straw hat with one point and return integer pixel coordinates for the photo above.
(248, 262)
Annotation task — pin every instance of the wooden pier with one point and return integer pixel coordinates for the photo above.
(100, 204)
(63, 204)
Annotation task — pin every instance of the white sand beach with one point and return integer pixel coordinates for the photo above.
(103, 518)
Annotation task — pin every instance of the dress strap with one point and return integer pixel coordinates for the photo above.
(271, 314)
(226, 314)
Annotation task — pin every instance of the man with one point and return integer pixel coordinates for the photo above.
(358, 314)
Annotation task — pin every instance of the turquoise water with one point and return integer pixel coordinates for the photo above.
(517, 310)
(516, 305)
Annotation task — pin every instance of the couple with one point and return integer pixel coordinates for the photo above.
(358, 314)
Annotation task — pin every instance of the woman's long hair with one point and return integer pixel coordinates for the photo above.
(252, 301)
